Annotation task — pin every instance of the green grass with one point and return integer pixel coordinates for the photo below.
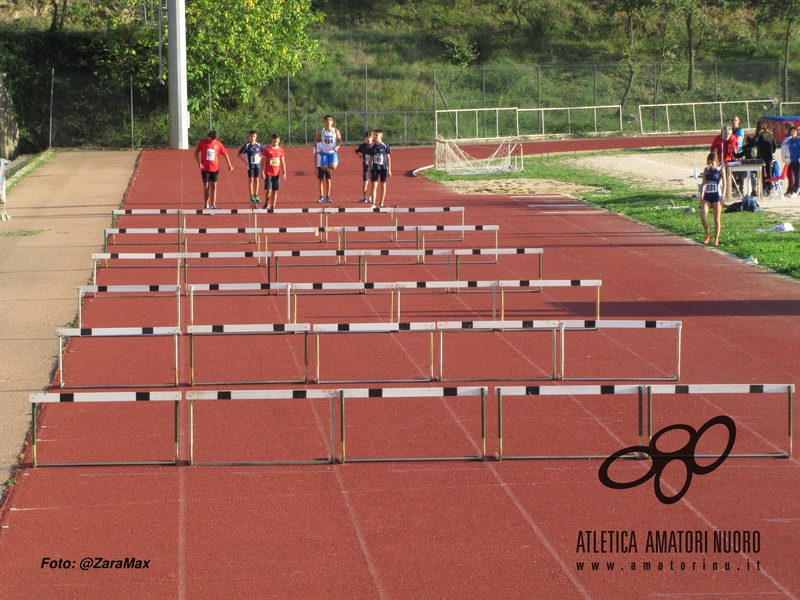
(23, 233)
(776, 251)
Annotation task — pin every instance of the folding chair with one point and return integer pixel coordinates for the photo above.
(777, 182)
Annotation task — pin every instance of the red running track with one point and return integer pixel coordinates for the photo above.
(507, 529)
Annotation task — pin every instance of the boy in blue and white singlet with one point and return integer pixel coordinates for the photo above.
(713, 188)
(326, 158)
(250, 153)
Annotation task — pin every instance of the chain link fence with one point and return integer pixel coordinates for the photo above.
(402, 101)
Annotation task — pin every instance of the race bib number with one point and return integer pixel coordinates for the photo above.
(378, 160)
(256, 159)
(711, 187)
(274, 162)
(211, 155)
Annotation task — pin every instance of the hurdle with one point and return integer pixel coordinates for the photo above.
(341, 258)
(439, 392)
(377, 328)
(341, 288)
(393, 213)
(496, 252)
(269, 395)
(241, 287)
(746, 388)
(114, 231)
(575, 325)
(579, 390)
(318, 232)
(114, 332)
(497, 326)
(417, 229)
(223, 255)
(500, 285)
(247, 329)
(106, 256)
(35, 399)
(115, 214)
(126, 289)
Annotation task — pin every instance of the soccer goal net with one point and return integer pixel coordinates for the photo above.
(451, 158)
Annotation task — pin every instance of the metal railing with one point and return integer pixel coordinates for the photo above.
(711, 115)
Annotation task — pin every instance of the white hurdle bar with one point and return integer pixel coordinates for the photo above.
(106, 256)
(417, 229)
(114, 231)
(103, 397)
(223, 255)
(269, 395)
(241, 287)
(575, 390)
(496, 252)
(577, 325)
(126, 289)
(115, 214)
(501, 285)
(333, 328)
(248, 329)
(438, 392)
(114, 332)
(497, 326)
(729, 389)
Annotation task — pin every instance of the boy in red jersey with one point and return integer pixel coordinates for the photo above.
(207, 156)
(274, 164)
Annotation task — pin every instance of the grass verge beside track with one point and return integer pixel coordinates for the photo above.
(777, 251)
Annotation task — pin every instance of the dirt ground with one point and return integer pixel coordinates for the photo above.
(663, 170)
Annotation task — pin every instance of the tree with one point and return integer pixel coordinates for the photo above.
(244, 44)
(631, 9)
(785, 12)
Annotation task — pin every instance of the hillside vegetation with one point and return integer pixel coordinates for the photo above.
(277, 65)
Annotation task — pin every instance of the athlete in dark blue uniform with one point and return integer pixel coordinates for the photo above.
(713, 188)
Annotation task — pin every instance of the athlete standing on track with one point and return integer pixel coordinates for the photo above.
(326, 147)
(250, 153)
(274, 164)
(381, 166)
(366, 162)
(713, 189)
(207, 156)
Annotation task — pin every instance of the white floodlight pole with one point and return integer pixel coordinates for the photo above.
(178, 96)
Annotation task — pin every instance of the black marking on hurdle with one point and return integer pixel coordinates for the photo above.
(527, 324)
(421, 284)
(466, 324)
(369, 286)
(450, 391)
(681, 389)
(590, 324)
(476, 250)
(478, 227)
(162, 230)
(64, 398)
(281, 229)
(266, 286)
(295, 252)
(472, 284)
(649, 324)
(302, 210)
(203, 230)
(375, 392)
(440, 228)
(240, 230)
(142, 396)
(213, 286)
(104, 288)
(279, 327)
(86, 331)
(204, 255)
(155, 288)
(248, 254)
(520, 250)
(224, 395)
(159, 255)
(756, 389)
(147, 331)
(218, 329)
(128, 211)
(316, 286)
(299, 394)
(384, 253)
(114, 255)
(340, 253)
(412, 209)
(607, 389)
(405, 326)
(343, 327)
(429, 252)
(401, 228)
(531, 390)
(575, 282)
(235, 211)
(361, 228)
(524, 283)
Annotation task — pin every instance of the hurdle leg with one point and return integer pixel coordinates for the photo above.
(176, 358)
(317, 341)
(462, 225)
(430, 344)
(555, 337)
(597, 304)
(343, 435)
(191, 433)
(541, 255)
(458, 268)
(177, 432)
(494, 303)
(60, 361)
(678, 370)
(502, 305)
(441, 355)
(295, 305)
(305, 344)
(499, 453)
(191, 359)
(641, 417)
(277, 278)
(649, 414)
(562, 352)
(483, 424)
(33, 434)
(333, 431)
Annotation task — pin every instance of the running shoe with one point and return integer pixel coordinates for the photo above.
(328, 199)
(205, 207)
(321, 199)
(364, 199)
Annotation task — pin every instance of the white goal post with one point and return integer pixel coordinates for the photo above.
(452, 159)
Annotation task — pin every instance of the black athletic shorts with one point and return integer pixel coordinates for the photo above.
(210, 176)
(272, 182)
